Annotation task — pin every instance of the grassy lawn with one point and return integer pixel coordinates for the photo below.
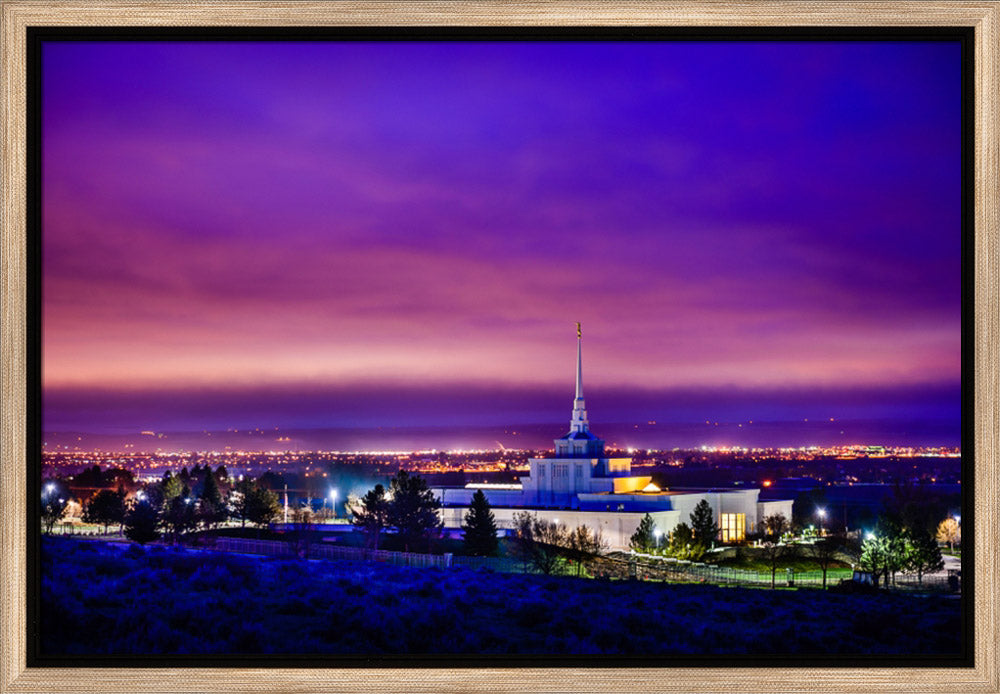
(796, 564)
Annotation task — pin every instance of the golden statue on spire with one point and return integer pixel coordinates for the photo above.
(579, 333)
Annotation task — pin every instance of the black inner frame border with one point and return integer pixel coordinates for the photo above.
(36, 36)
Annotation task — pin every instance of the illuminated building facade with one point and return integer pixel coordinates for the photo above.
(579, 485)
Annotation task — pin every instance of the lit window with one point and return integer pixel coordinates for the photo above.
(732, 526)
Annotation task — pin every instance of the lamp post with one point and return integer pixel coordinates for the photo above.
(333, 501)
(822, 516)
(657, 534)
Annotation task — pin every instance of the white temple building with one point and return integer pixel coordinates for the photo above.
(580, 485)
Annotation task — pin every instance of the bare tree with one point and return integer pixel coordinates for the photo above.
(539, 543)
(775, 526)
(773, 552)
(584, 545)
(824, 552)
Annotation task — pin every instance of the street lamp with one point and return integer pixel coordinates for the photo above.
(333, 501)
(657, 533)
(50, 487)
(869, 535)
(822, 516)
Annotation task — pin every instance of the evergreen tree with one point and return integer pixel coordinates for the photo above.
(171, 486)
(642, 539)
(480, 529)
(179, 516)
(703, 524)
(106, 507)
(413, 509)
(372, 516)
(262, 507)
(684, 545)
(210, 488)
(212, 508)
(239, 499)
(923, 554)
(142, 521)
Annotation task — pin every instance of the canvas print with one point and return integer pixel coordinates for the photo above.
(568, 348)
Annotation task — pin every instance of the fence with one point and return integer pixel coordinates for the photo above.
(665, 568)
(277, 548)
(507, 565)
(619, 565)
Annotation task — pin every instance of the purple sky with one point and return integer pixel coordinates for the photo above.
(353, 234)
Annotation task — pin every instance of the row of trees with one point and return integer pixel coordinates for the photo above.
(894, 547)
(408, 507)
(547, 546)
(171, 507)
(684, 541)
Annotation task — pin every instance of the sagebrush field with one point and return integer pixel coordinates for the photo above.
(102, 598)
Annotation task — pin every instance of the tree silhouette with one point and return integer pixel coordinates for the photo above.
(413, 509)
(584, 545)
(539, 543)
(823, 552)
(142, 521)
(212, 508)
(775, 526)
(372, 515)
(171, 486)
(239, 499)
(703, 524)
(642, 539)
(773, 553)
(923, 554)
(179, 516)
(55, 503)
(480, 529)
(262, 506)
(106, 507)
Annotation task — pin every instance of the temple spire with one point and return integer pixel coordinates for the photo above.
(579, 363)
(579, 419)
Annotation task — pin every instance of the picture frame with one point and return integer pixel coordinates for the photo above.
(16, 16)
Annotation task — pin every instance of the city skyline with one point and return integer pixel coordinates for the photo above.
(365, 234)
